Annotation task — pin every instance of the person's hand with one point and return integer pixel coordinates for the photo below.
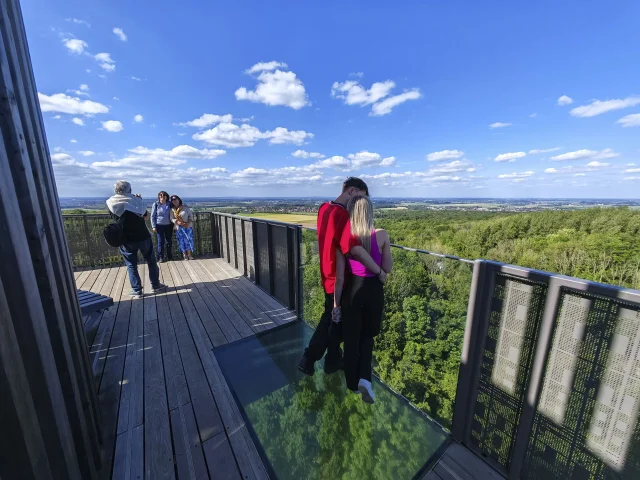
(382, 276)
(138, 195)
(154, 229)
(336, 314)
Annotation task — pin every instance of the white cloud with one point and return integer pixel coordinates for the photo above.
(116, 98)
(385, 106)
(59, 102)
(138, 118)
(366, 159)
(499, 125)
(337, 162)
(265, 66)
(137, 79)
(352, 93)
(598, 107)
(73, 140)
(65, 160)
(533, 115)
(547, 150)
(120, 34)
(517, 175)
(452, 167)
(207, 120)
(84, 87)
(565, 100)
(509, 157)
(597, 164)
(632, 170)
(78, 121)
(355, 94)
(632, 120)
(551, 170)
(106, 62)
(112, 126)
(305, 154)
(275, 87)
(181, 152)
(444, 155)
(586, 154)
(75, 45)
(78, 21)
(231, 135)
(86, 153)
(56, 117)
(388, 162)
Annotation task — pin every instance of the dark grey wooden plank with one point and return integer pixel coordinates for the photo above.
(229, 311)
(189, 456)
(447, 464)
(447, 473)
(157, 438)
(472, 464)
(432, 476)
(220, 459)
(128, 462)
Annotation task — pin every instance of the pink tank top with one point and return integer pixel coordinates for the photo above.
(358, 269)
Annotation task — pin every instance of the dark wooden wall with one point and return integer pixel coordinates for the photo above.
(49, 420)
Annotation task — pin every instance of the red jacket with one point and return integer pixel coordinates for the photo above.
(332, 219)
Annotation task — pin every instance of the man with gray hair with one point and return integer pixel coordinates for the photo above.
(135, 235)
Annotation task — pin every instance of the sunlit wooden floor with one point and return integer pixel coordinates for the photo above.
(167, 410)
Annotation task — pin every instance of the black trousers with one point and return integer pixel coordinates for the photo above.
(163, 234)
(362, 305)
(327, 336)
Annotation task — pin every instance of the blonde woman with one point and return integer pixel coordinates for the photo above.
(362, 301)
(182, 218)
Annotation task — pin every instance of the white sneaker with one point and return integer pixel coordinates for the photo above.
(364, 386)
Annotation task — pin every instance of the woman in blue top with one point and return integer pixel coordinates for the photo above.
(162, 226)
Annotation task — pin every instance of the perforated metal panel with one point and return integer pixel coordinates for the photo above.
(586, 425)
(280, 251)
(513, 325)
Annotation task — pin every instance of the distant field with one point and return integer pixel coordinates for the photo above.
(304, 219)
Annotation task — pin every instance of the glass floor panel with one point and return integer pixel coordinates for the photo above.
(312, 427)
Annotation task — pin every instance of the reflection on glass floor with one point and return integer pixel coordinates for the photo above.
(311, 427)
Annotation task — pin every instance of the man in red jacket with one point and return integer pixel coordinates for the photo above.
(332, 219)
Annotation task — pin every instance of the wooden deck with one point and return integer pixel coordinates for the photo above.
(459, 463)
(167, 411)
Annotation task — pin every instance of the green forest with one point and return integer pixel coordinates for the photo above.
(418, 350)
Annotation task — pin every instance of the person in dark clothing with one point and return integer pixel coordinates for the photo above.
(332, 218)
(136, 237)
(162, 226)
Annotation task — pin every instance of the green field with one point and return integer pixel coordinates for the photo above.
(304, 219)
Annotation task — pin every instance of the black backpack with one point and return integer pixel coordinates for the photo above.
(114, 233)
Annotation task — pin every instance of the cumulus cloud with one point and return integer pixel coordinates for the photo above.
(499, 125)
(275, 87)
(231, 135)
(565, 100)
(352, 93)
(632, 120)
(385, 106)
(547, 150)
(138, 118)
(207, 120)
(78, 121)
(181, 151)
(509, 157)
(120, 34)
(75, 45)
(551, 170)
(632, 170)
(78, 21)
(598, 107)
(444, 155)
(586, 154)
(112, 126)
(86, 153)
(59, 102)
(106, 62)
(597, 164)
(336, 162)
(365, 159)
(305, 154)
(73, 140)
(452, 167)
(526, 174)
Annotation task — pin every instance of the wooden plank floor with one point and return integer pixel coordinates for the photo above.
(459, 463)
(167, 411)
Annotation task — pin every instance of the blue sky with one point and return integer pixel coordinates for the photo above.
(425, 99)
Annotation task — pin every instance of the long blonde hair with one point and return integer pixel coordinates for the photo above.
(361, 217)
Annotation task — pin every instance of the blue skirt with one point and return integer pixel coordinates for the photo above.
(185, 238)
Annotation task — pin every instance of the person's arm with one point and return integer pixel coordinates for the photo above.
(387, 259)
(172, 216)
(339, 285)
(154, 215)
